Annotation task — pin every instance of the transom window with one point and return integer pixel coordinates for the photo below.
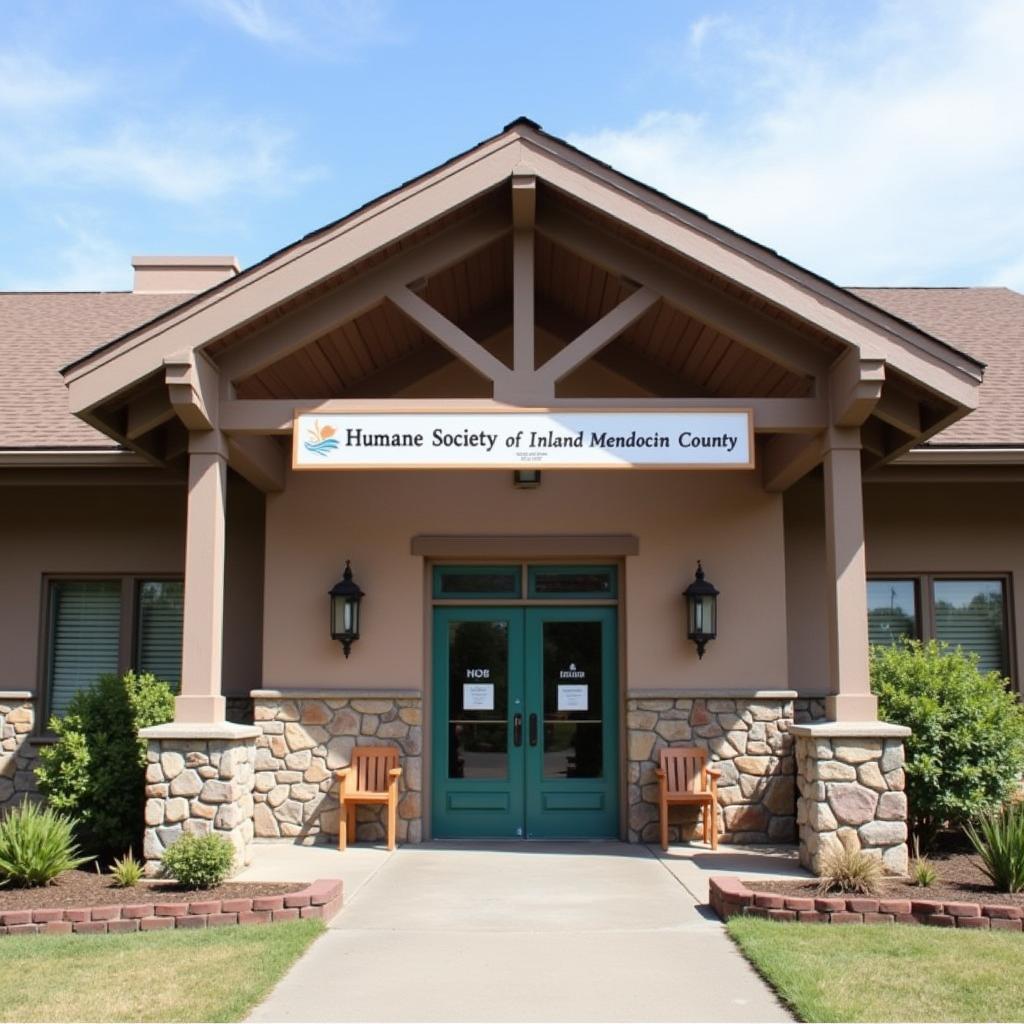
(109, 625)
(967, 612)
(537, 582)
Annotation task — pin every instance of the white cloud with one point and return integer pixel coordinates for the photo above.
(197, 158)
(87, 258)
(894, 156)
(201, 160)
(29, 83)
(330, 29)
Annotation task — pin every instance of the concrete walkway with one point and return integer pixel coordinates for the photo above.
(531, 932)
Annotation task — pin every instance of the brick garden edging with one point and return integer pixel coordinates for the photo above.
(322, 899)
(729, 896)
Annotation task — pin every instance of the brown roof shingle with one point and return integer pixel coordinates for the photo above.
(987, 323)
(39, 333)
(43, 331)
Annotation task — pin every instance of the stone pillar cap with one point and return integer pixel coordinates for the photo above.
(851, 730)
(200, 731)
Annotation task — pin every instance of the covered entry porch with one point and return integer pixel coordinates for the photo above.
(523, 278)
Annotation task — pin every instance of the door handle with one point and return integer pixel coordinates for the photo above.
(533, 730)
(517, 730)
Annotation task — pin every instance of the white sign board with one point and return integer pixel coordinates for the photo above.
(478, 696)
(572, 697)
(619, 439)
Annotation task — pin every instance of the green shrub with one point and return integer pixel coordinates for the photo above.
(998, 837)
(966, 748)
(126, 872)
(850, 871)
(96, 771)
(36, 845)
(922, 871)
(199, 862)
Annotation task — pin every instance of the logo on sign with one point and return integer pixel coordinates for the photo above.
(478, 673)
(572, 672)
(321, 439)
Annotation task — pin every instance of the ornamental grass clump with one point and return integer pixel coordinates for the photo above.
(36, 846)
(199, 862)
(965, 754)
(850, 871)
(126, 872)
(998, 838)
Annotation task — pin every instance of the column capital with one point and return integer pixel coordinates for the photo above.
(208, 442)
(840, 439)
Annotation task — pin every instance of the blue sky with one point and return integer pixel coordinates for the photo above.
(876, 143)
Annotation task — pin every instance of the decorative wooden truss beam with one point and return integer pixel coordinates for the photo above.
(597, 336)
(757, 331)
(355, 297)
(442, 330)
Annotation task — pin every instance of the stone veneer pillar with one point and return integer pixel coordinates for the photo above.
(747, 736)
(199, 779)
(17, 759)
(851, 785)
(305, 735)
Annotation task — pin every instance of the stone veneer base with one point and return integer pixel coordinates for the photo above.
(306, 735)
(851, 783)
(730, 897)
(17, 755)
(321, 899)
(199, 779)
(746, 734)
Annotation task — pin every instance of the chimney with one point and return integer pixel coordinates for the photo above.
(180, 275)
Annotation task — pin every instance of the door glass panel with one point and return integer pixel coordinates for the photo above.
(573, 743)
(478, 700)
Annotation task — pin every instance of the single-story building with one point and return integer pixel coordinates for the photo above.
(522, 396)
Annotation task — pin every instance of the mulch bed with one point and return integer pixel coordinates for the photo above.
(960, 878)
(89, 889)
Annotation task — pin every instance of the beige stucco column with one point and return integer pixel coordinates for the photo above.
(846, 584)
(200, 700)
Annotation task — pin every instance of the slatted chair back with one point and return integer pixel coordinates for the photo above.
(685, 769)
(372, 765)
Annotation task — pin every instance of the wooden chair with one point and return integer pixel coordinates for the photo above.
(685, 778)
(371, 778)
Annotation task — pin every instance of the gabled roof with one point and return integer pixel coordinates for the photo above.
(523, 148)
(989, 324)
(40, 331)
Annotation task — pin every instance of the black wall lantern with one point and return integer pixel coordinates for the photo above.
(345, 598)
(702, 611)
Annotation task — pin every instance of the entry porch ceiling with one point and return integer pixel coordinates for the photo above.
(666, 353)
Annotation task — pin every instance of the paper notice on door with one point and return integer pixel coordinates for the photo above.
(478, 696)
(573, 697)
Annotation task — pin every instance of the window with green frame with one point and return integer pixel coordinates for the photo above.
(585, 582)
(109, 625)
(478, 582)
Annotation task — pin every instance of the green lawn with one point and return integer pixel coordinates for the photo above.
(887, 972)
(205, 975)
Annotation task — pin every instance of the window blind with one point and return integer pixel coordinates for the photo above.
(85, 636)
(887, 627)
(969, 614)
(159, 630)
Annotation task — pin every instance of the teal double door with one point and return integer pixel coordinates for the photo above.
(525, 723)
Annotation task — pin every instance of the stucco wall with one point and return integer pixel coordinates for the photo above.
(909, 528)
(724, 518)
(119, 529)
